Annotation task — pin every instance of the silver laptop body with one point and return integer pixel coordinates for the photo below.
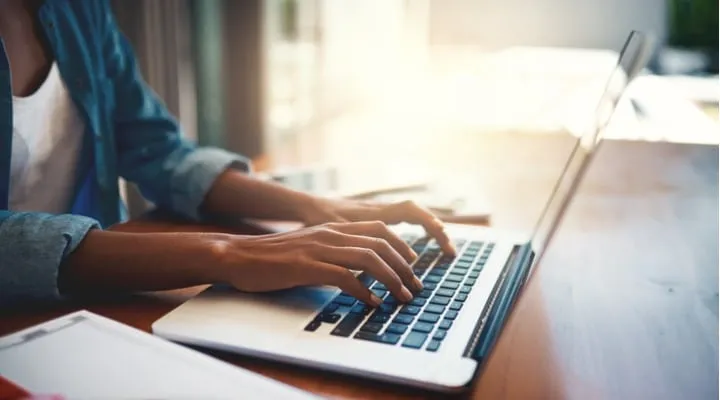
(438, 341)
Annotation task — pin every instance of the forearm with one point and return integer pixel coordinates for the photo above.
(235, 193)
(107, 261)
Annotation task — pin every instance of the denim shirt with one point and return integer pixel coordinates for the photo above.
(128, 133)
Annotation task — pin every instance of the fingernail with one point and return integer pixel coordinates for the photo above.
(418, 284)
(406, 295)
(376, 301)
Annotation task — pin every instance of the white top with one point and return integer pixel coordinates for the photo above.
(47, 139)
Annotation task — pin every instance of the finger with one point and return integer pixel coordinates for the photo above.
(321, 273)
(409, 211)
(365, 259)
(388, 254)
(325, 218)
(380, 230)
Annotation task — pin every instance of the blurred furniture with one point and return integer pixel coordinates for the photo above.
(625, 304)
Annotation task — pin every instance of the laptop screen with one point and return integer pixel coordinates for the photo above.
(631, 61)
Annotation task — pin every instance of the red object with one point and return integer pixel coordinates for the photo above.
(11, 391)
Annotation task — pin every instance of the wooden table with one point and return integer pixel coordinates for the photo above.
(624, 306)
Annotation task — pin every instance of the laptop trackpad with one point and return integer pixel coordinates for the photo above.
(288, 308)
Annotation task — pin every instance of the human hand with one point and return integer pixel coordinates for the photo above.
(331, 210)
(320, 255)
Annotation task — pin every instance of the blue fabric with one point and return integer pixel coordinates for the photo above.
(129, 133)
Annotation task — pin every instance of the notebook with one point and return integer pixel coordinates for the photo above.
(85, 356)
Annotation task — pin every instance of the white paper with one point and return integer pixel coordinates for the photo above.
(85, 356)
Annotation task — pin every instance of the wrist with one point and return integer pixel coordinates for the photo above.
(307, 207)
(217, 257)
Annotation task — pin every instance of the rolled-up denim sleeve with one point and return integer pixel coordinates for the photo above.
(32, 247)
(194, 175)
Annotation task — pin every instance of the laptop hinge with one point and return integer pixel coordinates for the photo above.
(500, 303)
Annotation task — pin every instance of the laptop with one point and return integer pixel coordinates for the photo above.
(440, 339)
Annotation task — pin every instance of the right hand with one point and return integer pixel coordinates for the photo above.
(321, 255)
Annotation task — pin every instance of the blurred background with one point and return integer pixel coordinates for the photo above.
(389, 88)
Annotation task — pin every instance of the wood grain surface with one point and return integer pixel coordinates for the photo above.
(623, 306)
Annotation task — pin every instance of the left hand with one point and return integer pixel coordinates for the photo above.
(340, 210)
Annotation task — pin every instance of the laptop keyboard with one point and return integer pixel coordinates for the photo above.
(425, 321)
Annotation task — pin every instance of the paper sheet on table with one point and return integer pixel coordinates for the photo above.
(85, 356)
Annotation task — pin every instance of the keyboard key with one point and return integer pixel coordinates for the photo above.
(345, 300)
(477, 244)
(331, 308)
(379, 317)
(398, 329)
(379, 286)
(423, 327)
(453, 278)
(371, 327)
(446, 258)
(330, 318)
(445, 292)
(424, 294)
(387, 308)
(437, 272)
(456, 305)
(465, 264)
(461, 297)
(470, 282)
(418, 301)
(429, 285)
(404, 319)
(445, 324)
(428, 317)
(422, 241)
(450, 285)
(415, 340)
(432, 279)
(422, 263)
(347, 325)
(467, 259)
(387, 338)
(451, 315)
(435, 309)
(459, 271)
(419, 272)
(434, 345)
(465, 289)
(441, 300)
(390, 300)
(313, 325)
(474, 274)
(360, 308)
(410, 310)
(439, 335)
(366, 279)
(379, 293)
